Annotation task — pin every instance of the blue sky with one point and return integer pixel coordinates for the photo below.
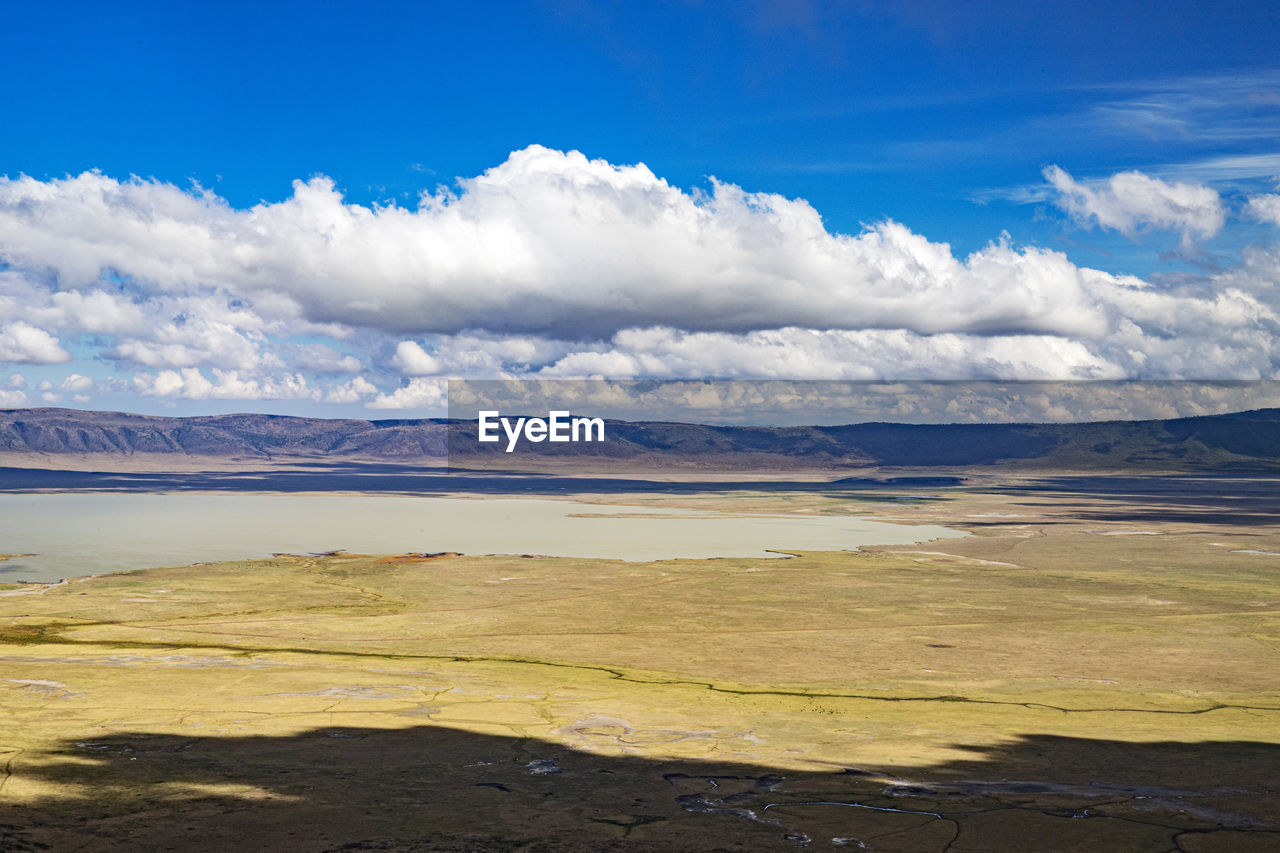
(942, 118)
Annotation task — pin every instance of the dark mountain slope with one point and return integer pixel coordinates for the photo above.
(71, 431)
(1246, 440)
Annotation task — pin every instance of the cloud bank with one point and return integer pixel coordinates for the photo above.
(556, 265)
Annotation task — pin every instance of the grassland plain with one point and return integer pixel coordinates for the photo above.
(1084, 672)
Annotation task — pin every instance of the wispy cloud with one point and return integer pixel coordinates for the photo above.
(1201, 110)
(1217, 129)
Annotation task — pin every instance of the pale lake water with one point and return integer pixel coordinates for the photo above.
(76, 534)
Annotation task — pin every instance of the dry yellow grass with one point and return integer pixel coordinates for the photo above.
(1090, 684)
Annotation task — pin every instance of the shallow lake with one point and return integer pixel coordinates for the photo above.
(74, 534)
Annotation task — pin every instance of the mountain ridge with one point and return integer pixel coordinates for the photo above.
(1235, 440)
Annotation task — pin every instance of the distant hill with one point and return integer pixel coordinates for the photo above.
(64, 431)
(1241, 441)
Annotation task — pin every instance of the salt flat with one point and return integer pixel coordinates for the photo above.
(73, 534)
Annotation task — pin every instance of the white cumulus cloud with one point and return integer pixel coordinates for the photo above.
(21, 343)
(548, 242)
(1265, 207)
(76, 383)
(1128, 201)
(352, 391)
(190, 383)
(419, 393)
(553, 264)
(413, 360)
(811, 354)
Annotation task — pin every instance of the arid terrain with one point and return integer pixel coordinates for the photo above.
(1093, 668)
